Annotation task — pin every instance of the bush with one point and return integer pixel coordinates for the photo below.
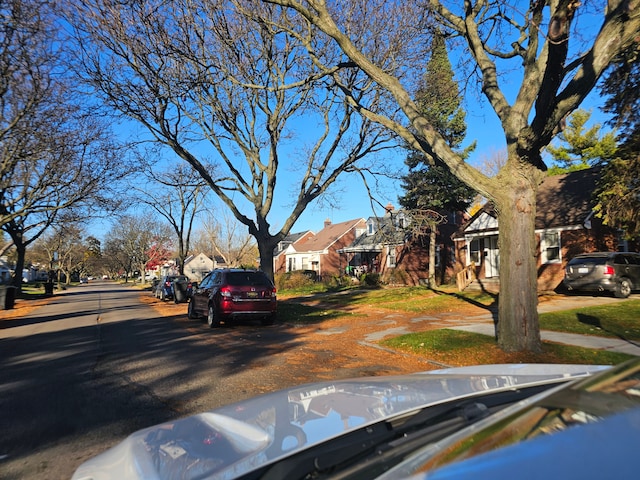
(293, 280)
(370, 279)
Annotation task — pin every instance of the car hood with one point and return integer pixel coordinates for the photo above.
(239, 438)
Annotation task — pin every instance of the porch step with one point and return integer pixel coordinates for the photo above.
(484, 284)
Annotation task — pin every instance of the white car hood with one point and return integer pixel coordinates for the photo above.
(231, 441)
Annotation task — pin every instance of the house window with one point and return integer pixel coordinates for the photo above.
(437, 259)
(475, 251)
(370, 230)
(305, 263)
(550, 247)
(292, 264)
(391, 258)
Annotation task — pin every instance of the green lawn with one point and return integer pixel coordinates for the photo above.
(452, 347)
(621, 320)
(458, 348)
(403, 299)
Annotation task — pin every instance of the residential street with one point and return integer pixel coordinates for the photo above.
(80, 373)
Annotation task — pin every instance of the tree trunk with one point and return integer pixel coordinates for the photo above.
(432, 257)
(21, 251)
(266, 244)
(518, 328)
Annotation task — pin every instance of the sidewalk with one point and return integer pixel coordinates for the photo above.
(567, 303)
(587, 341)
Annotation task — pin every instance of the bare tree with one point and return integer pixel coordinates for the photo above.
(177, 194)
(210, 80)
(130, 242)
(496, 38)
(55, 158)
(221, 234)
(62, 250)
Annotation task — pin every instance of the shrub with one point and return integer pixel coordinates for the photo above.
(370, 279)
(293, 280)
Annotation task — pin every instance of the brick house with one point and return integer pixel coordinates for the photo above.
(288, 244)
(565, 226)
(393, 249)
(319, 252)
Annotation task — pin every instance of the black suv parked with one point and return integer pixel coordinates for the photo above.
(232, 293)
(614, 272)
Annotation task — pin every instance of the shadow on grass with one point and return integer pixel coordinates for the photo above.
(594, 321)
(492, 307)
(299, 314)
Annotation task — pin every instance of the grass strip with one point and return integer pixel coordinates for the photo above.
(459, 348)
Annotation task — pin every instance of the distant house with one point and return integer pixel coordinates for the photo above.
(197, 266)
(288, 244)
(319, 252)
(5, 270)
(393, 248)
(565, 226)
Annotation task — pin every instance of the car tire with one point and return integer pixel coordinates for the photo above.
(212, 318)
(623, 288)
(191, 312)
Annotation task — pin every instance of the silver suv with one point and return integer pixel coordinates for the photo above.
(614, 272)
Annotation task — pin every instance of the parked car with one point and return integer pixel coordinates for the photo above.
(615, 272)
(165, 289)
(228, 294)
(487, 422)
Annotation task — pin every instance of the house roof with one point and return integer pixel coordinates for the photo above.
(328, 236)
(289, 240)
(386, 233)
(216, 258)
(562, 201)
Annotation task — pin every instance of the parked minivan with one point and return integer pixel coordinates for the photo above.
(615, 272)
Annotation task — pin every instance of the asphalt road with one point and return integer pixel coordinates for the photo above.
(81, 373)
(94, 365)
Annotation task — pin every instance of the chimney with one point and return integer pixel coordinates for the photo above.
(389, 208)
(327, 222)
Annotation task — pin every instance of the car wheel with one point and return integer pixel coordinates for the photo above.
(212, 319)
(623, 288)
(270, 320)
(191, 311)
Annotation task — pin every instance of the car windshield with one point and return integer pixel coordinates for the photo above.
(248, 279)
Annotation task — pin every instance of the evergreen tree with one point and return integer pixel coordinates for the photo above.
(430, 184)
(581, 148)
(619, 192)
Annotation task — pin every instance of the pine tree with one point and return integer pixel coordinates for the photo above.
(619, 192)
(430, 184)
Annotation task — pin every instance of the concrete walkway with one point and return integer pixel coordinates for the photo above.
(587, 341)
(567, 303)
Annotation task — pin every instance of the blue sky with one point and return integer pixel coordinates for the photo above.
(353, 202)
(482, 126)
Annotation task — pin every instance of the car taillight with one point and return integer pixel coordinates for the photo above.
(273, 293)
(225, 292)
(608, 270)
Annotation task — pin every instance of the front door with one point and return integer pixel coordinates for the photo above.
(491, 256)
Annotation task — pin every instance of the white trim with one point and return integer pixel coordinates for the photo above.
(544, 247)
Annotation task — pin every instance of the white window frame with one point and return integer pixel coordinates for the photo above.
(391, 257)
(546, 245)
